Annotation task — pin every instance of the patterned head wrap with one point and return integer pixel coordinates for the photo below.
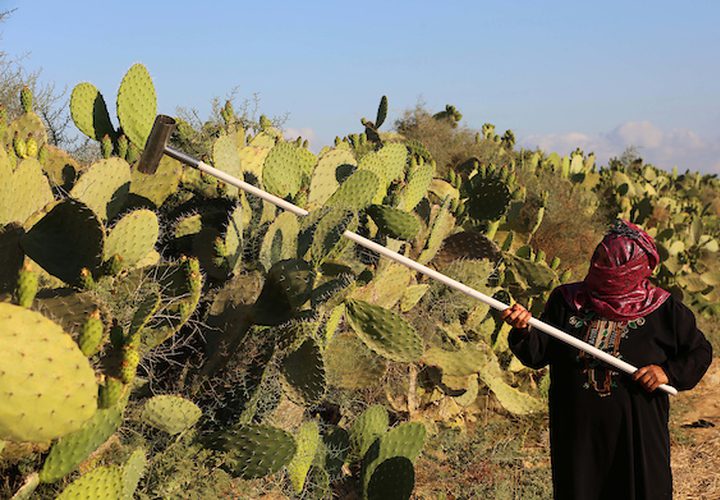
(617, 285)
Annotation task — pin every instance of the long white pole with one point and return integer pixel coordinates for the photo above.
(371, 245)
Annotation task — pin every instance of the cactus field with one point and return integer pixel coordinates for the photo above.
(169, 336)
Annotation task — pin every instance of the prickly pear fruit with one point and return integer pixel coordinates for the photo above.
(91, 334)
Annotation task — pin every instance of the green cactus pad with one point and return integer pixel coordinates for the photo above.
(441, 226)
(61, 168)
(417, 186)
(91, 335)
(104, 187)
(285, 168)
(110, 392)
(137, 105)
(385, 332)
(367, 427)
(329, 169)
(159, 186)
(226, 156)
(72, 449)
(89, 112)
(412, 295)
(327, 234)
(469, 245)
(132, 471)
(105, 482)
(467, 360)
(406, 440)
(23, 192)
(304, 372)
(357, 192)
(395, 223)
(350, 364)
(47, 387)
(65, 240)
(392, 479)
(280, 240)
(511, 398)
(307, 440)
(387, 287)
(171, 414)
(337, 447)
(252, 159)
(488, 196)
(257, 450)
(287, 287)
(132, 237)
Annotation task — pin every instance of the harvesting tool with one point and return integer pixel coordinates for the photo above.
(157, 145)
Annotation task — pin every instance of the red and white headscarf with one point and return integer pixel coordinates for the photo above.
(617, 286)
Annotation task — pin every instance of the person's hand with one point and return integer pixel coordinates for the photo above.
(650, 377)
(516, 316)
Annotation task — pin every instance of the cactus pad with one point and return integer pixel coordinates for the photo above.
(132, 237)
(89, 112)
(280, 240)
(137, 105)
(406, 440)
(285, 168)
(104, 482)
(385, 332)
(357, 192)
(257, 450)
(307, 440)
(350, 364)
(23, 192)
(171, 414)
(65, 240)
(393, 479)
(287, 287)
(488, 197)
(72, 449)
(47, 387)
(132, 472)
(327, 240)
(367, 427)
(159, 186)
(104, 187)
(11, 256)
(417, 186)
(329, 169)
(304, 372)
(393, 222)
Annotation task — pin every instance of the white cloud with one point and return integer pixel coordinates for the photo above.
(683, 148)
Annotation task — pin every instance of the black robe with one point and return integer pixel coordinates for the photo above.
(609, 438)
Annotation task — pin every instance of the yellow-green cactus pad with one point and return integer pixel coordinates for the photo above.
(47, 387)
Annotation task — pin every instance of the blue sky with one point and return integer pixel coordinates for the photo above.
(601, 75)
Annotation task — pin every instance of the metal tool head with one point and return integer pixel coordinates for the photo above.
(156, 143)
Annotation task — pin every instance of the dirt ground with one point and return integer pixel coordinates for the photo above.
(695, 429)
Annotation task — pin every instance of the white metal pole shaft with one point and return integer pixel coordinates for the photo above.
(494, 303)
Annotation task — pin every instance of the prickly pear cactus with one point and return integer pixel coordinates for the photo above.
(406, 440)
(307, 440)
(104, 482)
(370, 425)
(74, 448)
(132, 237)
(89, 112)
(285, 168)
(395, 223)
(385, 332)
(47, 387)
(65, 240)
(137, 105)
(23, 191)
(104, 187)
(257, 450)
(304, 372)
(171, 414)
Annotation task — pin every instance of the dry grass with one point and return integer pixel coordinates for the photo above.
(448, 145)
(696, 451)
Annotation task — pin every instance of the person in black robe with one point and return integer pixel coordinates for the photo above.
(609, 435)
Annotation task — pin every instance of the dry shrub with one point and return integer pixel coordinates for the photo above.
(449, 145)
(573, 224)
